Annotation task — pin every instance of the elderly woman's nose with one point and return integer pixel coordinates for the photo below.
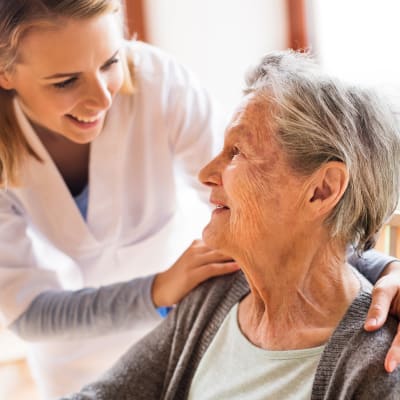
(209, 174)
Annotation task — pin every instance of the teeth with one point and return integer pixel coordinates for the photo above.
(220, 206)
(85, 120)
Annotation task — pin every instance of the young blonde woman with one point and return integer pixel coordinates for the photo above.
(91, 129)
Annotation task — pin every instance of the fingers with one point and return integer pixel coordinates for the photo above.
(200, 254)
(392, 359)
(213, 256)
(382, 296)
(215, 269)
(385, 297)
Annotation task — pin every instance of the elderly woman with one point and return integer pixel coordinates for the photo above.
(309, 167)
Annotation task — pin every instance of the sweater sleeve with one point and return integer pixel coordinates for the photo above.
(87, 312)
(371, 263)
(351, 366)
(141, 373)
(162, 364)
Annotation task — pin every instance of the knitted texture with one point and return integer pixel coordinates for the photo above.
(162, 365)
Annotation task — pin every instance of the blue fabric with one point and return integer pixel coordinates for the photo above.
(164, 311)
(82, 201)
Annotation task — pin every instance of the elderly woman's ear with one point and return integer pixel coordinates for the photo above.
(327, 188)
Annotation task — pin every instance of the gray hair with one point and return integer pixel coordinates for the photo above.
(319, 119)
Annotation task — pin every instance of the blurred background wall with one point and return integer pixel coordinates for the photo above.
(219, 39)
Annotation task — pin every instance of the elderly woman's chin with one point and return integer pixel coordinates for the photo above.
(215, 237)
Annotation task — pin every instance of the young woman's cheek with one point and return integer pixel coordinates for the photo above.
(63, 103)
(116, 80)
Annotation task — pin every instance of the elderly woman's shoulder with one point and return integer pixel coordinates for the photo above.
(356, 357)
(220, 285)
(223, 291)
(367, 352)
(369, 346)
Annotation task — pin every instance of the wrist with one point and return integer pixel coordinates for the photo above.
(158, 294)
(392, 267)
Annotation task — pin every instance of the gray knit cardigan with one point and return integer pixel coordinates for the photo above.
(162, 365)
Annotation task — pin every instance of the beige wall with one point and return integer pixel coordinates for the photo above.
(218, 39)
(358, 39)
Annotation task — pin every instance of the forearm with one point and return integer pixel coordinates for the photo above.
(141, 372)
(371, 263)
(88, 312)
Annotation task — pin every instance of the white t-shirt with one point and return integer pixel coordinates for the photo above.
(234, 368)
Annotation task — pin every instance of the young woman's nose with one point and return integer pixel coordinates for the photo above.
(99, 96)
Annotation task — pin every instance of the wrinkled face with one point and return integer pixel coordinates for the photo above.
(66, 77)
(255, 193)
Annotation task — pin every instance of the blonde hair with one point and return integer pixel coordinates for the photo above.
(17, 17)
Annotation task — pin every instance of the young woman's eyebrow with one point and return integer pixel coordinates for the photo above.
(68, 74)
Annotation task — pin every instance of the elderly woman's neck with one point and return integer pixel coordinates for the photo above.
(297, 301)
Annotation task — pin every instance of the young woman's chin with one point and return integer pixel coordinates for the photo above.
(83, 132)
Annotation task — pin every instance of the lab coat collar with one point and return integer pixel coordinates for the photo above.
(47, 197)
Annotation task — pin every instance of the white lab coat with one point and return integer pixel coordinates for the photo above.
(132, 227)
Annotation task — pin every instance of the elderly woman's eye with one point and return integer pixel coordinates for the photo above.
(235, 152)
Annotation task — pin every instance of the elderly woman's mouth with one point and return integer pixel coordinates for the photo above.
(220, 208)
(219, 204)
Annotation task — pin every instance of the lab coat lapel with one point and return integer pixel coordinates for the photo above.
(107, 169)
(47, 198)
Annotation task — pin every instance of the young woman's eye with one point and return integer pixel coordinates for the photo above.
(65, 84)
(108, 64)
